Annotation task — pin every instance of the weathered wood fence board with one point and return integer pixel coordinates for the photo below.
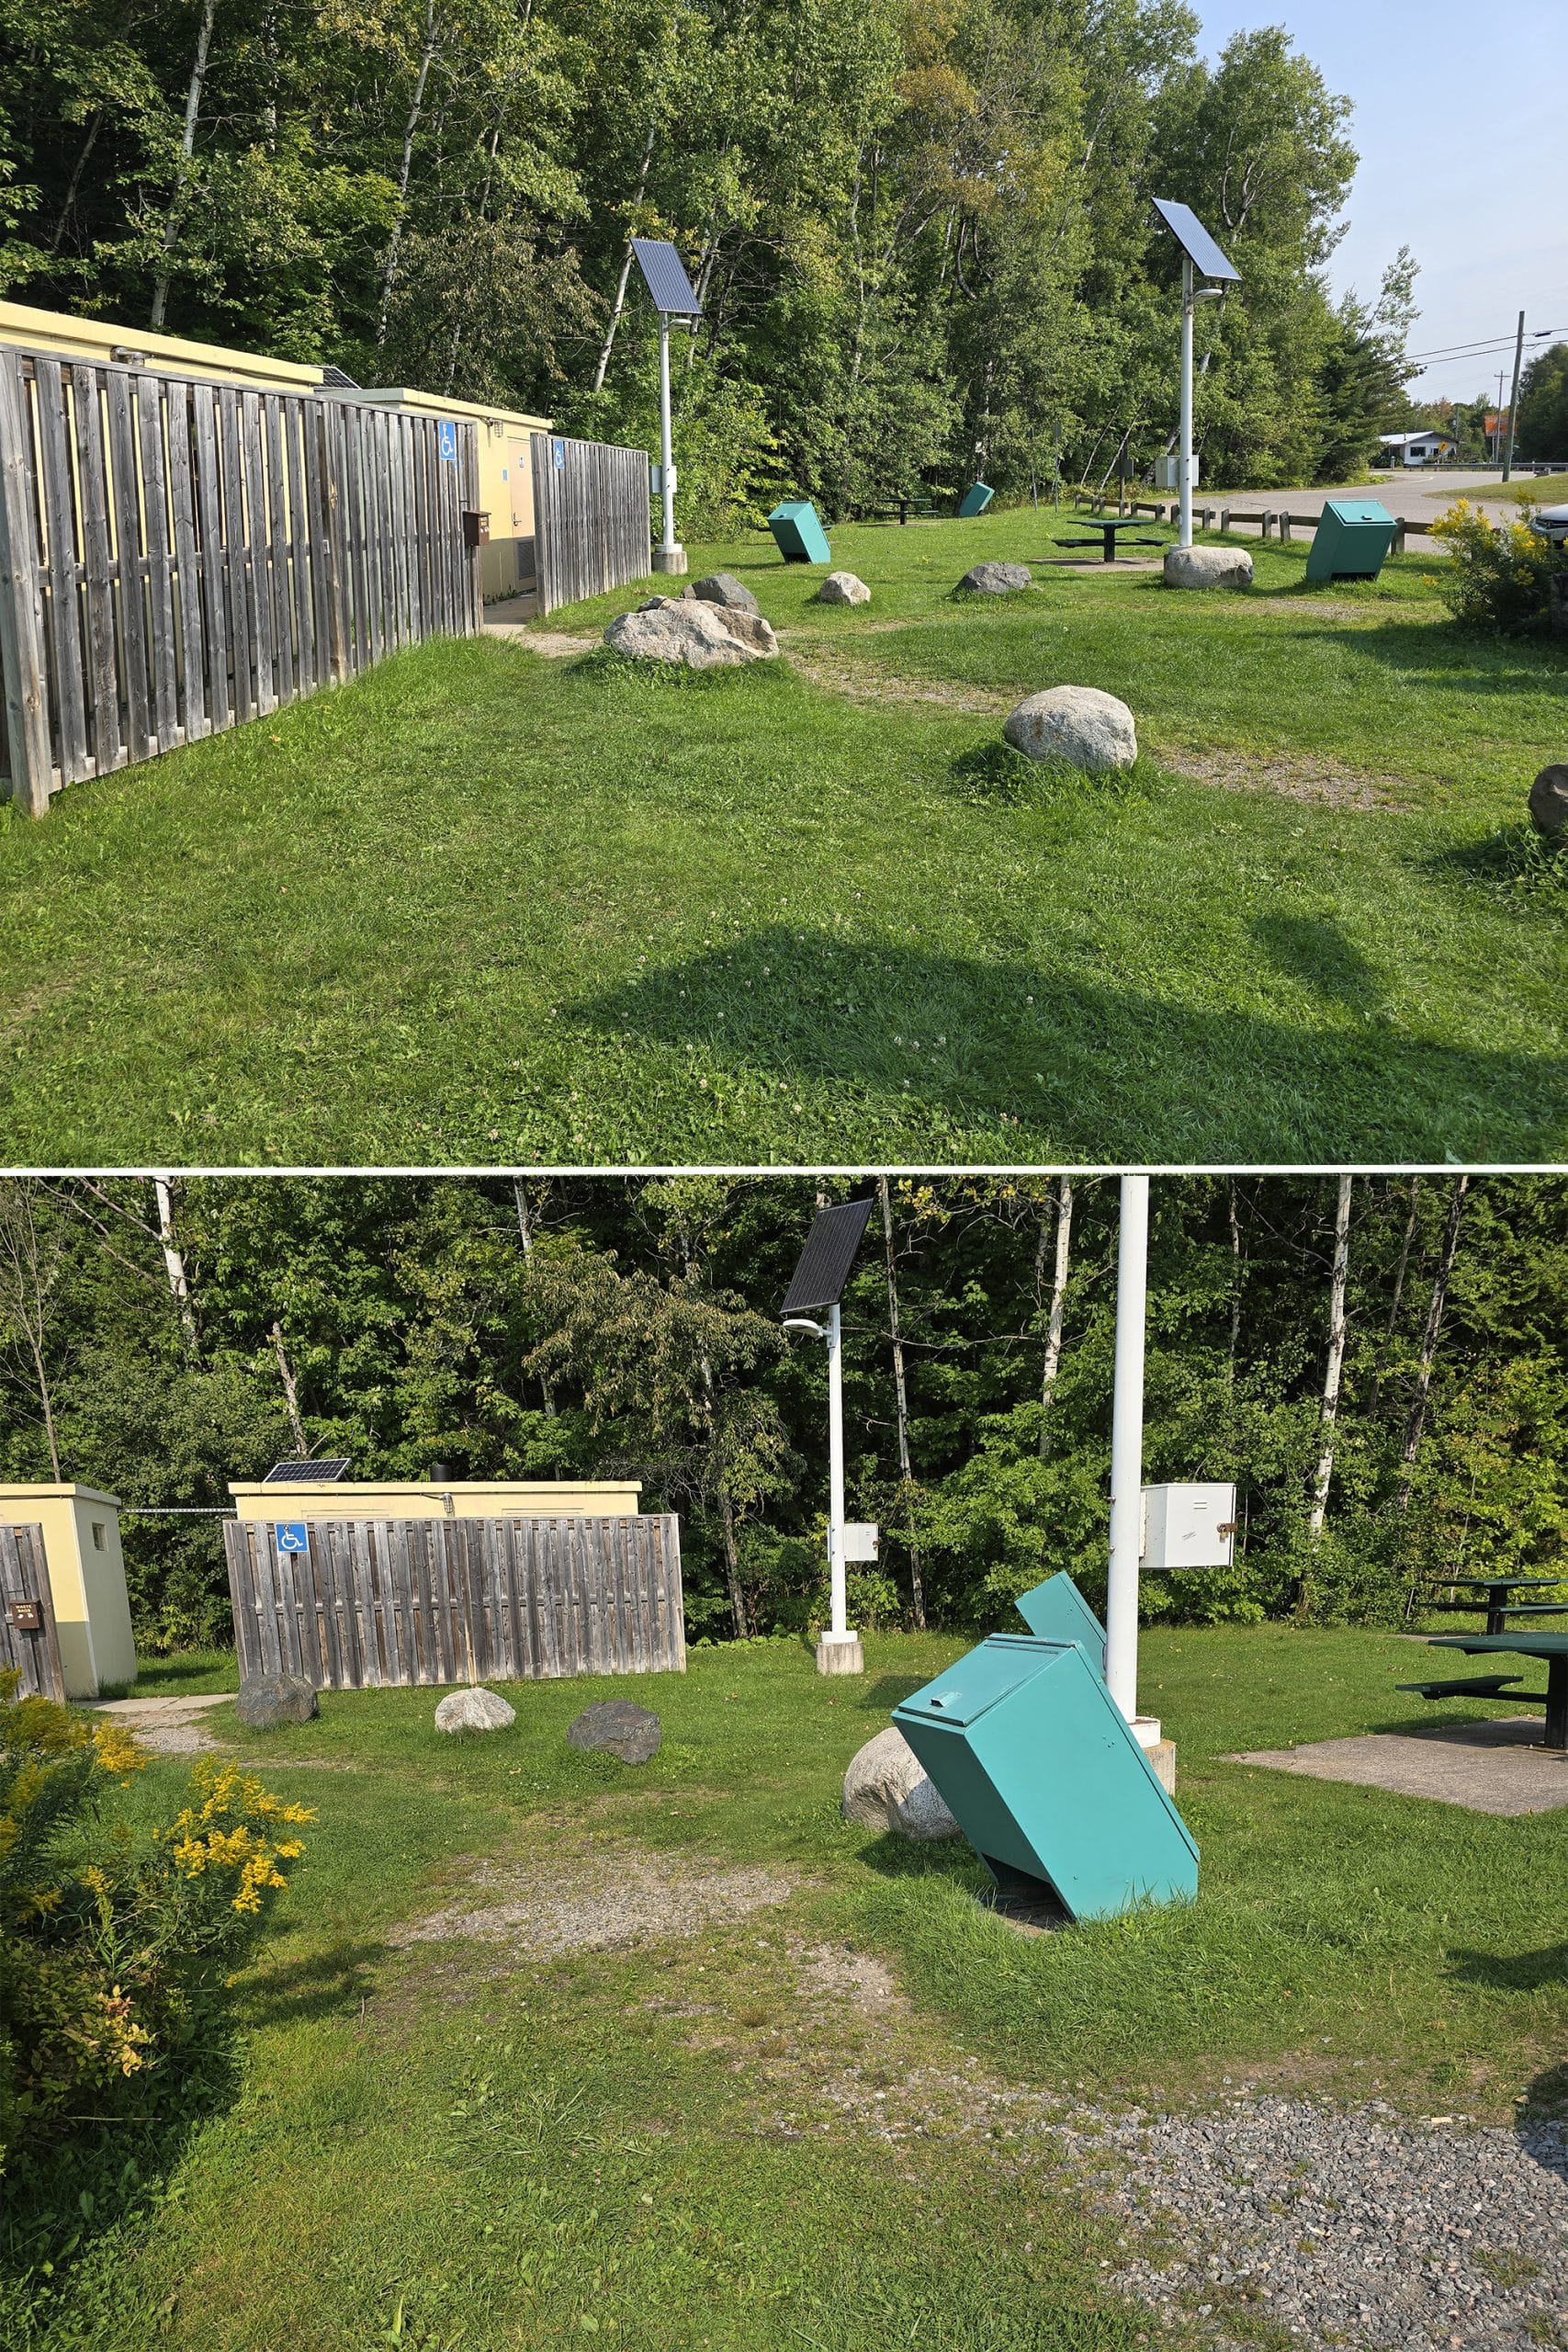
(591, 528)
(176, 555)
(377, 1601)
(23, 1583)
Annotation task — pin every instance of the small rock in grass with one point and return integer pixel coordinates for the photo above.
(887, 1787)
(615, 1727)
(1079, 724)
(996, 579)
(723, 588)
(1208, 568)
(475, 1709)
(695, 636)
(1549, 803)
(843, 588)
(267, 1699)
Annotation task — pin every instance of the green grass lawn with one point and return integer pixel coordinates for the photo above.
(645, 2144)
(484, 905)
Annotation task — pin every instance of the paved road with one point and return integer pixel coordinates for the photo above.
(1415, 496)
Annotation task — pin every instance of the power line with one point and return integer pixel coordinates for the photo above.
(1499, 343)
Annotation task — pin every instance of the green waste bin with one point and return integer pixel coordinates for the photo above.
(975, 500)
(797, 529)
(1057, 1612)
(1040, 1768)
(1353, 536)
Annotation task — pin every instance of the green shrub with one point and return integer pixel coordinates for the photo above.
(1499, 575)
(114, 1953)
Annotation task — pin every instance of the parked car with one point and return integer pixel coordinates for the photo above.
(1552, 523)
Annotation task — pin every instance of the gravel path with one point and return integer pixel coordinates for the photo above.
(594, 1904)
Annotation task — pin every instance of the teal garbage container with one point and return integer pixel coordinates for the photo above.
(1352, 537)
(976, 499)
(1040, 1768)
(1057, 1612)
(798, 531)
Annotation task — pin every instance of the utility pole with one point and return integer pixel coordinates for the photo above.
(1514, 399)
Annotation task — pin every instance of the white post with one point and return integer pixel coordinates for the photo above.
(1184, 460)
(839, 1651)
(838, 1598)
(668, 555)
(1127, 1450)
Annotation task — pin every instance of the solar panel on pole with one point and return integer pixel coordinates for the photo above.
(1194, 239)
(818, 1280)
(665, 276)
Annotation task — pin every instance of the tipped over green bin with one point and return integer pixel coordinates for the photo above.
(797, 529)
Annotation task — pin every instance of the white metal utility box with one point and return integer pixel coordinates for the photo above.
(1189, 1527)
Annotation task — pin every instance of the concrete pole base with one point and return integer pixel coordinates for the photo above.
(669, 558)
(840, 1653)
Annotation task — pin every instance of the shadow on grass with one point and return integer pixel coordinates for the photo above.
(330, 1983)
(1480, 664)
(1107, 1069)
(1314, 950)
(1522, 1971)
(1514, 862)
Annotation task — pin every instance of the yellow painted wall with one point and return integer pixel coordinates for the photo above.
(86, 1581)
(417, 1499)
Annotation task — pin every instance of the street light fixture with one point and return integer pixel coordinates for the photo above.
(675, 297)
(817, 1284)
(1200, 255)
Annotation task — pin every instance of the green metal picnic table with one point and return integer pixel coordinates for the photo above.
(1497, 1605)
(1552, 1648)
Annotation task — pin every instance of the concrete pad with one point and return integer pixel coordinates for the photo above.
(1498, 1766)
(168, 1725)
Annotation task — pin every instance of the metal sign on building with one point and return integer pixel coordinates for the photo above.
(293, 1536)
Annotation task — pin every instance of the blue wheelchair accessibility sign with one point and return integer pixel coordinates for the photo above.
(292, 1535)
(447, 442)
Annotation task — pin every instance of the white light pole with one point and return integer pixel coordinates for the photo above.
(1184, 455)
(1127, 1459)
(838, 1651)
(669, 555)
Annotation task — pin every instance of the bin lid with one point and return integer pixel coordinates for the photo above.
(1358, 510)
(990, 1673)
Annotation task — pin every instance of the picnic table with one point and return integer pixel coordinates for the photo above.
(1498, 1606)
(1108, 527)
(1552, 1648)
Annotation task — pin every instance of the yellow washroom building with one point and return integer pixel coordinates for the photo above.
(86, 1581)
(424, 1499)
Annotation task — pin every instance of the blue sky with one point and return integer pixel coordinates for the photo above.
(1459, 121)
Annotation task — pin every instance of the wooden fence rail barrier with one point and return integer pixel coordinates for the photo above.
(591, 525)
(177, 555)
(28, 1638)
(373, 1601)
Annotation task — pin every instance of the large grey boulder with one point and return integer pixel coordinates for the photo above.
(1089, 729)
(996, 579)
(723, 588)
(615, 1727)
(843, 588)
(693, 636)
(267, 1699)
(750, 628)
(1549, 803)
(886, 1788)
(475, 1709)
(1208, 568)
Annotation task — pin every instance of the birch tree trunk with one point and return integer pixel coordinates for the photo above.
(1395, 1302)
(1053, 1362)
(290, 1391)
(25, 1281)
(187, 148)
(174, 1262)
(525, 1235)
(607, 347)
(405, 169)
(1234, 1221)
(1332, 1371)
(721, 1494)
(901, 1390)
(1429, 1339)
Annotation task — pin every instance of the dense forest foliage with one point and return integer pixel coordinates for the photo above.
(160, 1344)
(921, 227)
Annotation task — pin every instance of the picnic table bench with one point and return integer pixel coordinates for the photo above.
(1108, 525)
(1499, 1609)
(1550, 1647)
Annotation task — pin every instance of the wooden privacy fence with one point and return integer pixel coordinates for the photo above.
(369, 1601)
(177, 555)
(28, 1639)
(591, 528)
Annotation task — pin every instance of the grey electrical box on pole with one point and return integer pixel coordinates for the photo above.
(675, 297)
(816, 1287)
(1200, 255)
